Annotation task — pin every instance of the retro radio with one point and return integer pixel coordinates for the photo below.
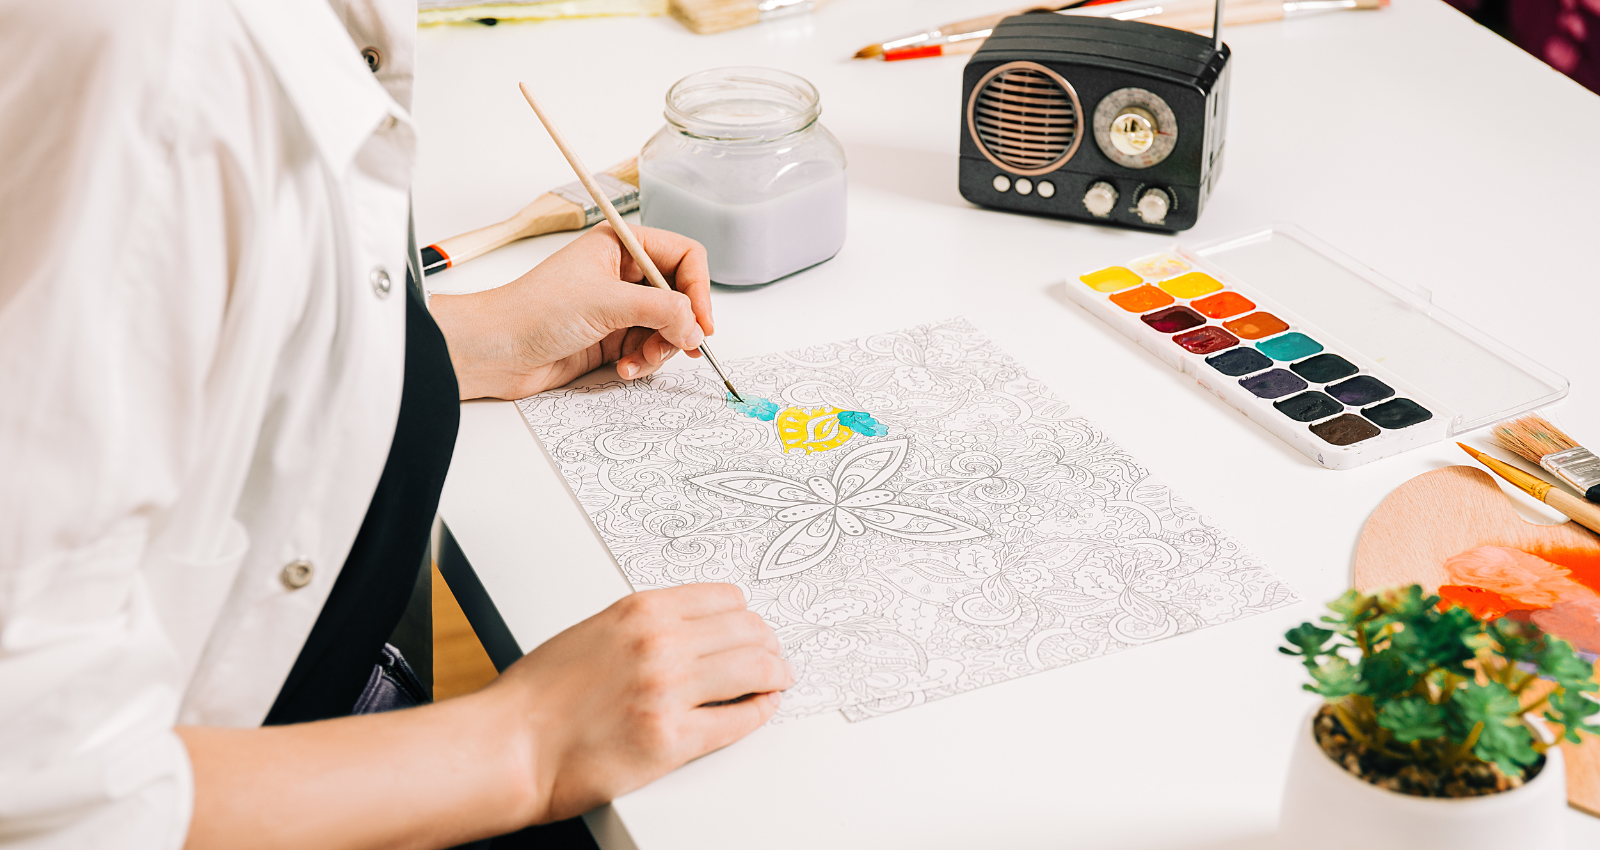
(1094, 119)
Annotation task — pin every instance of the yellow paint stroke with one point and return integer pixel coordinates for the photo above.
(812, 429)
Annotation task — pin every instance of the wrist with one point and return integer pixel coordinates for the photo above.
(519, 750)
(477, 352)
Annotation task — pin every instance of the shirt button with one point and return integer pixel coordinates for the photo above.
(379, 279)
(374, 58)
(296, 574)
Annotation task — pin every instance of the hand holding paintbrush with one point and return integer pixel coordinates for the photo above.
(638, 252)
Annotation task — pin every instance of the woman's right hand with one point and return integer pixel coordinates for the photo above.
(634, 691)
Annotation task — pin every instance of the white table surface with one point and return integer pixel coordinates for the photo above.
(1409, 138)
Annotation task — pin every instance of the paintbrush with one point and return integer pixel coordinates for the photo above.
(1581, 512)
(1539, 442)
(951, 33)
(566, 207)
(1193, 15)
(629, 241)
(709, 16)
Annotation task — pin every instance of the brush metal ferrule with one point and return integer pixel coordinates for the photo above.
(622, 194)
(1579, 467)
(778, 8)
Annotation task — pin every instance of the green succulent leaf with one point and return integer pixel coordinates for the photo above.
(1349, 607)
(1518, 642)
(1404, 604)
(1558, 661)
(1492, 704)
(1412, 719)
(1336, 678)
(1573, 710)
(1507, 745)
(1387, 674)
(1439, 639)
(1306, 640)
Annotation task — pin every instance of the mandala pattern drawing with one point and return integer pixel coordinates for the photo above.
(980, 532)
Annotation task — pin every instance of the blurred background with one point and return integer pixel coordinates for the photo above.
(1563, 33)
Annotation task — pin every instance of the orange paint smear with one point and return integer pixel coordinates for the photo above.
(1582, 564)
(1557, 589)
(1529, 579)
(1483, 604)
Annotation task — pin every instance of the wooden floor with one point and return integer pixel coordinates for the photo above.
(460, 666)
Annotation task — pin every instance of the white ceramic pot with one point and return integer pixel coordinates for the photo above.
(1326, 808)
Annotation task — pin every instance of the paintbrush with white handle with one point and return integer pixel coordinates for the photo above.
(709, 16)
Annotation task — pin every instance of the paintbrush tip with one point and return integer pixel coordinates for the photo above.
(869, 51)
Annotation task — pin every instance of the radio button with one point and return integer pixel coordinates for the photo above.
(1024, 185)
(1153, 206)
(1047, 189)
(1101, 199)
(1002, 183)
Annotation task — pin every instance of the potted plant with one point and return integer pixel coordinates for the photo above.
(1436, 729)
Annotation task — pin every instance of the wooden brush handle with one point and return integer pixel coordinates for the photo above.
(1196, 15)
(1583, 513)
(548, 213)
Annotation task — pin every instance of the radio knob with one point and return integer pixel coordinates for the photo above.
(1153, 206)
(1101, 199)
(1133, 131)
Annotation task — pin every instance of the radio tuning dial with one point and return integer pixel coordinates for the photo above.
(1133, 131)
(1101, 199)
(1135, 128)
(1153, 206)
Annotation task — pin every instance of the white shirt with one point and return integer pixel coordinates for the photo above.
(200, 371)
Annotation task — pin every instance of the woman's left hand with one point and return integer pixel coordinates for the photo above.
(584, 307)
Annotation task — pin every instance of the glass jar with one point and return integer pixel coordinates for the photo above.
(744, 167)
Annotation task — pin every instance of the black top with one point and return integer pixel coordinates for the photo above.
(372, 590)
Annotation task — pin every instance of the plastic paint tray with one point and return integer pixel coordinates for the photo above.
(1338, 361)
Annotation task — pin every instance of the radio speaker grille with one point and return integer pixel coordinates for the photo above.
(1025, 118)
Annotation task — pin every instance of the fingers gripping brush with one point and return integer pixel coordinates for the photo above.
(629, 241)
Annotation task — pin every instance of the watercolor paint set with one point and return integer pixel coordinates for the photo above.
(1334, 359)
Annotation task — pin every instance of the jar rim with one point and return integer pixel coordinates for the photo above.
(742, 103)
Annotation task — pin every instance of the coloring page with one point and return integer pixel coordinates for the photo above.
(913, 515)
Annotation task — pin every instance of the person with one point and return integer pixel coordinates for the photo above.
(227, 414)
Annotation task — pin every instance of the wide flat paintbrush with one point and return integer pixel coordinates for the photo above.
(629, 241)
(1581, 512)
(566, 207)
(709, 16)
(1537, 441)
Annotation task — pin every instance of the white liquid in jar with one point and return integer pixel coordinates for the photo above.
(751, 243)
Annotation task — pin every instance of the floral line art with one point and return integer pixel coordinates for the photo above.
(819, 510)
(972, 530)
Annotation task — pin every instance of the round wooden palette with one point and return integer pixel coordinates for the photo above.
(1443, 513)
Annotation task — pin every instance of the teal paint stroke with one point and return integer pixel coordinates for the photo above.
(862, 423)
(755, 408)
